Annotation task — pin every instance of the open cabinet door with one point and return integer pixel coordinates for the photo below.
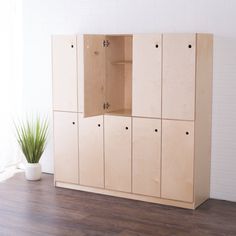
(94, 75)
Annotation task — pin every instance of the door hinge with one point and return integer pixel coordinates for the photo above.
(106, 105)
(105, 43)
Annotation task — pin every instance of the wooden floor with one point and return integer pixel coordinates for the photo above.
(38, 208)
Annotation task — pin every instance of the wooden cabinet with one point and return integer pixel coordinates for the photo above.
(178, 89)
(64, 65)
(91, 160)
(146, 156)
(117, 153)
(66, 147)
(143, 103)
(147, 71)
(177, 160)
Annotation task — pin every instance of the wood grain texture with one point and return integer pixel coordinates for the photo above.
(178, 93)
(66, 158)
(47, 210)
(64, 73)
(146, 156)
(147, 72)
(91, 157)
(94, 75)
(177, 160)
(117, 153)
(202, 160)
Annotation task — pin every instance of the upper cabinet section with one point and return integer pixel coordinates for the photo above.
(64, 65)
(147, 66)
(179, 55)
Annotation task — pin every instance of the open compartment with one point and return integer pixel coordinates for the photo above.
(107, 75)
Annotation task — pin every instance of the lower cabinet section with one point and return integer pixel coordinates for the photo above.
(117, 153)
(139, 158)
(91, 160)
(177, 160)
(66, 147)
(146, 156)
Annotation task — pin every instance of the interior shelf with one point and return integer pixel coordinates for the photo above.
(121, 62)
(123, 112)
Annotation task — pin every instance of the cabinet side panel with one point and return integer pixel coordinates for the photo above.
(204, 68)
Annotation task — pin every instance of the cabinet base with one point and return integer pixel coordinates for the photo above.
(162, 201)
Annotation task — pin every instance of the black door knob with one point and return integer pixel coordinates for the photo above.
(73, 122)
(126, 127)
(99, 125)
(156, 130)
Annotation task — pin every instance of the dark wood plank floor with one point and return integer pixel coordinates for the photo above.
(38, 208)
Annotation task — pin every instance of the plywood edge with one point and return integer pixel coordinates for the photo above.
(126, 195)
(203, 117)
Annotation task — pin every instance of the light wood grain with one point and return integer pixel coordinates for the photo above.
(204, 75)
(178, 96)
(80, 72)
(115, 74)
(64, 71)
(147, 66)
(146, 146)
(94, 75)
(177, 160)
(91, 158)
(117, 153)
(127, 195)
(66, 147)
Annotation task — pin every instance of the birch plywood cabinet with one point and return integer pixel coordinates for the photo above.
(132, 115)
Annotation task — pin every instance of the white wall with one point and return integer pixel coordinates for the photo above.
(42, 18)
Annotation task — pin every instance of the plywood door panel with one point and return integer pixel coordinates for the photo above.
(80, 66)
(66, 147)
(179, 52)
(177, 160)
(146, 156)
(94, 75)
(117, 153)
(64, 66)
(147, 65)
(91, 160)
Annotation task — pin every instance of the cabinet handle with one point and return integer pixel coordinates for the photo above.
(156, 130)
(72, 45)
(189, 46)
(99, 125)
(156, 45)
(73, 123)
(187, 133)
(126, 127)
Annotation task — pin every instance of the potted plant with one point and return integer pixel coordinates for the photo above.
(32, 139)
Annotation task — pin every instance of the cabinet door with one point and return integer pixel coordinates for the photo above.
(147, 63)
(64, 72)
(66, 147)
(118, 153)
(177, 160)
(94, 75)
(146, 156)
(91, 161)
(179, 52)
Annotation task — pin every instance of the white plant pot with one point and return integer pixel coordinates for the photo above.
(33, 171)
